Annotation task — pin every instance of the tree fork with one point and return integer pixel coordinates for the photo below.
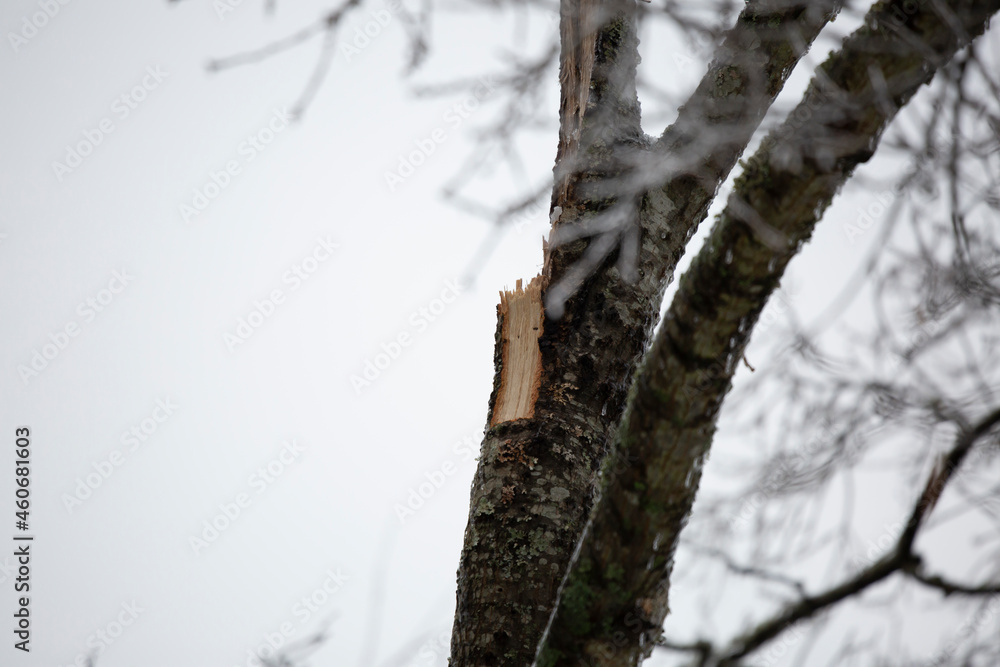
(534, 486)
(615, 599)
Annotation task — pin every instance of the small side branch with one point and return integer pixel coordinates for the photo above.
(901, 559)
(949, 587)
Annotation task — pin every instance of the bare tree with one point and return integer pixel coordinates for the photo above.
(601, 416)
(591, 579)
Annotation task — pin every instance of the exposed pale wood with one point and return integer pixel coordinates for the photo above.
(535, 483)
(578, 34)
(523, 315)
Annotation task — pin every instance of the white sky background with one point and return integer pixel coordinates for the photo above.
(161, 337)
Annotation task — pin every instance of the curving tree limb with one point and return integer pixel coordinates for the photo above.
(534, 486)
(615, 597)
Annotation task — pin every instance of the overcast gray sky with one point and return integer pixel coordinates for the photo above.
(190, 283)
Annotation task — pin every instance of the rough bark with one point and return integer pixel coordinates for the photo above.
(534, 486)
(615, 598)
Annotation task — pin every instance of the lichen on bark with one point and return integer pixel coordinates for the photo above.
(536, 479)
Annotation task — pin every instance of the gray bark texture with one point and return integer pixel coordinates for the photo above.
(633, 438)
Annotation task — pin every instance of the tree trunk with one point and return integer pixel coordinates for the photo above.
(615, 598)
(535, 482)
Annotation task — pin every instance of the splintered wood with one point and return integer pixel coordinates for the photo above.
(522, 316)
(578, 34)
